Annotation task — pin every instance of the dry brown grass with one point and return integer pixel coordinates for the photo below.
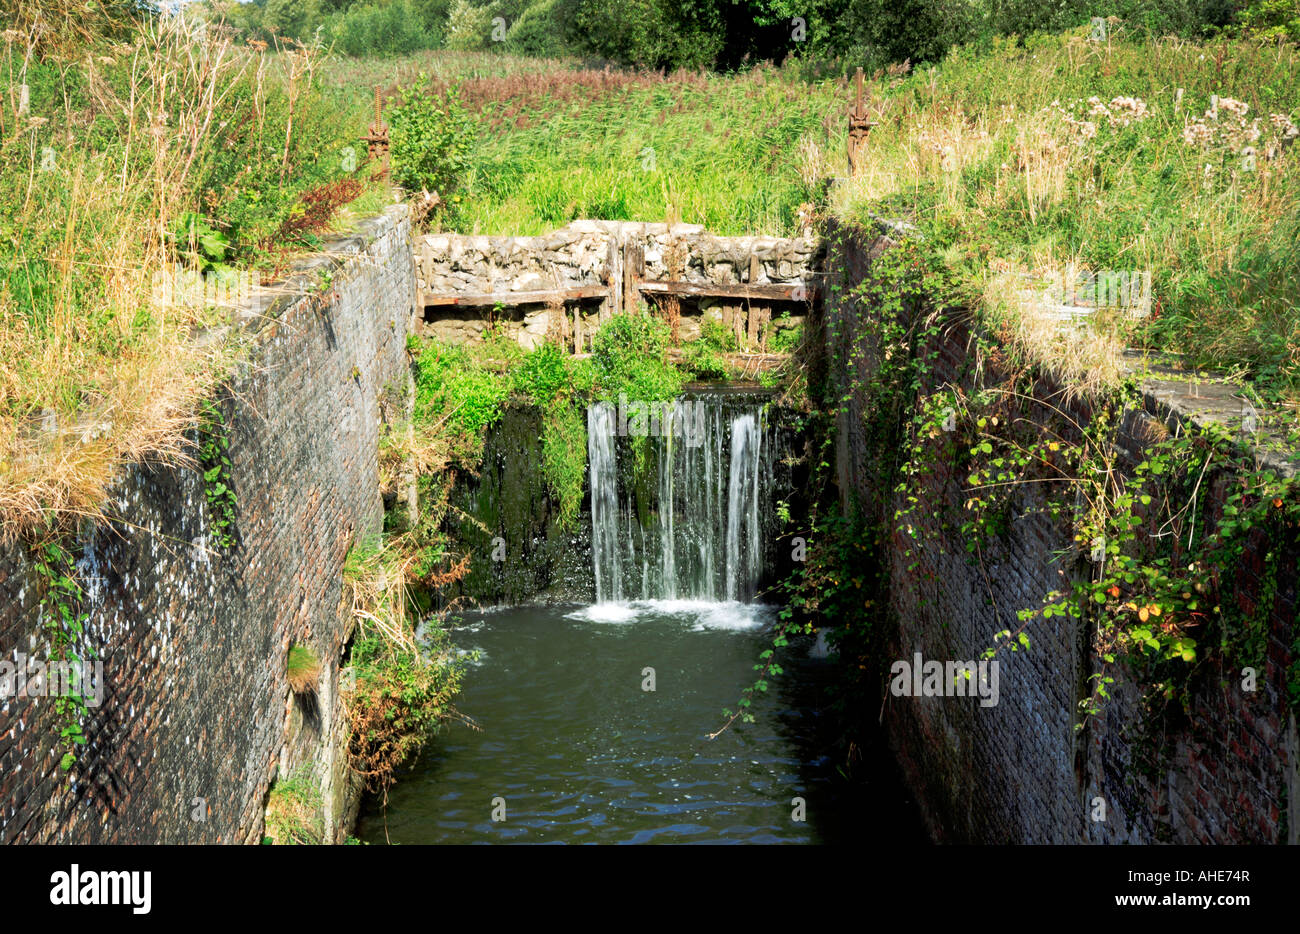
(1084, 356)
(111, 369)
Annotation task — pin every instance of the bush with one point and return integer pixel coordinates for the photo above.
(469, 27)
(630, 356)
(453, 391)
(544, 374)
(391, 28)
(539, 31)
(432, 138)
(656, 33)
(1272, 19)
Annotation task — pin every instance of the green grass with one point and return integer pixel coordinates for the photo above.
(998, 158)
(558, 142)
(141, 151)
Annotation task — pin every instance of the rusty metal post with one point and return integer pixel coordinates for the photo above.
(377, 139)
(860, 125)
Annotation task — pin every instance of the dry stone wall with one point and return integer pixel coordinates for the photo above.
(454, 272)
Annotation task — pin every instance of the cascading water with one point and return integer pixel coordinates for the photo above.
(688, 516)
(603, 467)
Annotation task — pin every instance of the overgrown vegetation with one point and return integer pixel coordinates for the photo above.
(461, 390)
(142, 160)
(294, 815)
(63, 623)
(401, 682)
(1032, 164)
(728, 34)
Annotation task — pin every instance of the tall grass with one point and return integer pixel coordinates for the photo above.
(1064, 151)
(155, 144)
(559, 142)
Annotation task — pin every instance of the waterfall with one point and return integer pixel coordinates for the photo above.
(604, 502)
(687, 519)
(742, 505)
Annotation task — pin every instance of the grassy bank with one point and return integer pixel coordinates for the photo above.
(737, 153)
(135, 157)
(1162, 156)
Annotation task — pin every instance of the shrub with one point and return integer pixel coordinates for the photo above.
(629, 354)
(432, 138)
(539, 31)
(389, 28)
(455, 394)
(469, 27)
(1272, 19)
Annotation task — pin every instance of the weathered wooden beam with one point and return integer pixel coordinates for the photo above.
(791, 292)
(539, 297)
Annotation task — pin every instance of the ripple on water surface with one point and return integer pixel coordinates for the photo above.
(581, 753)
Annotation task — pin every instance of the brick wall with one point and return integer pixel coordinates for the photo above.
(1019, 772)
(194, 638)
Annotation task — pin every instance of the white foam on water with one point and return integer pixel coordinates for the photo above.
(604, 613)
(701, 614)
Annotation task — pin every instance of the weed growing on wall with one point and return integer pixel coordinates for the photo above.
(214, 461)
(1156, 566)
(400, 686)
(63, 622)
(294, 811)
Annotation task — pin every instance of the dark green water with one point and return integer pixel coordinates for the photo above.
(580, 753)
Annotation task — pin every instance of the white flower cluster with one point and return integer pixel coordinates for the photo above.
(1121, 111)
(1224, 124)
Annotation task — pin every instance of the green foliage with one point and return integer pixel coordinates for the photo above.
(455, 392)
(402, 696)
(469, 26)
(391, 28)
(214, 461)
(656, 33)
(294, 811)
(721, 151)
(703, 358)
(564, 456)
(544, 374)
(1271, 19)
(1146, 195)
(63, 622)
(432, 138)
(540, 31)
(630, 356)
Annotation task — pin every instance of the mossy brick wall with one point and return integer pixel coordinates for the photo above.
(193, 637)
(1019, 772)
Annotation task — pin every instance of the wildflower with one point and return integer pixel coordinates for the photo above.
(1197, 134)
(1127, 110)
(1238, 108)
